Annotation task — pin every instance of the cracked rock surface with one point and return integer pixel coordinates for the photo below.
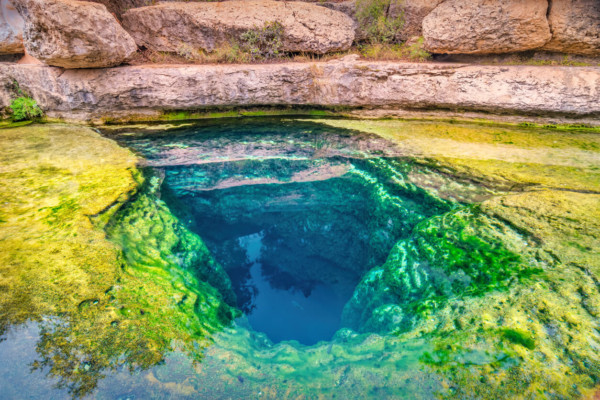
(307, 27)
(74, 34)
(575, 26)
(486, 27)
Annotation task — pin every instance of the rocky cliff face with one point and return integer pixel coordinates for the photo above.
(150, 90)
(78, 34)
(448, 26)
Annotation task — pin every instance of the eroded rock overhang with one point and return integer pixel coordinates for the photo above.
(149, 91)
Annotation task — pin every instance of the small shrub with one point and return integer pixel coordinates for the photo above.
(263, 43)
(380, 51)
(25, 108)
(373, 19)
(416, 52)
(188, 52)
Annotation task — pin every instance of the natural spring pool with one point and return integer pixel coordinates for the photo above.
(277, 258)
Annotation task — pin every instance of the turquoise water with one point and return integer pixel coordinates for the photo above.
(295, 220)
(276, 259)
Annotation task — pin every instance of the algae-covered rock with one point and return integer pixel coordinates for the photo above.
(459, 253)
(492, 293)
(54, 179)
(520, 315)
(60, 186)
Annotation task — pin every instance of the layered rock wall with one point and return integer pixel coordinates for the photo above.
(150, 90)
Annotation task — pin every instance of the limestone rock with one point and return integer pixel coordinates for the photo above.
(486, 26)
(118, 7)
(149, 90)
(307, 27)
(11, 29)
(413, 13)
(575, 26)
(74, 34)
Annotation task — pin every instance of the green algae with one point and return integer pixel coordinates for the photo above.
(191, 115)
(493, 300)
(522, 259)
(99, 307)
(519, 337)
(459, 253)
(46, 217)
(552, 204)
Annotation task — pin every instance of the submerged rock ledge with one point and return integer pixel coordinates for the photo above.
(132, 91)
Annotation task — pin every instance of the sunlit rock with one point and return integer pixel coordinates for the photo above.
(207, 25)
(74, 34)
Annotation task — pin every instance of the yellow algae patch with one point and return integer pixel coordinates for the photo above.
(99, 303)
(514, 157)
(53, 179)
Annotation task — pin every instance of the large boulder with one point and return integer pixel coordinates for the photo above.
(575, 26)
(11, 29)
(74, 34)
(486, 26)
(118, 7)
(306, 27)
(413, 12)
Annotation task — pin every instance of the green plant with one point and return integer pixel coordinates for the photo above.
(520, 337)
(25, 108)
(188, 52)
(386, 51)
(263, 43)
(416, 51)
(375, 20)
(379, 51)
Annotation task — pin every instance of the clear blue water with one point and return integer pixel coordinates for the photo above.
(289, 314)
(294, 222)
(292, 260)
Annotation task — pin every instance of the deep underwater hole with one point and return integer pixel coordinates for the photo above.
(296, 214)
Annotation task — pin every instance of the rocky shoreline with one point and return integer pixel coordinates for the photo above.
(148, 91)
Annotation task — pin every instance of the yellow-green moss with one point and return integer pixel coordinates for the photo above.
(60, 185)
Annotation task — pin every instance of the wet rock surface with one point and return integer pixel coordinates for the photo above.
(74, 34)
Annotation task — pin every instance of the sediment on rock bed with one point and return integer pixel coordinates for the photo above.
(522, 202)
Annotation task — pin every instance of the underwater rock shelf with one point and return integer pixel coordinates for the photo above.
(287, 258)
(138, 92)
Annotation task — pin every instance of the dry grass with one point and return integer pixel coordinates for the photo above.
(233, 54)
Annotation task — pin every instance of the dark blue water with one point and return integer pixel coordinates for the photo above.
(292, 313)
(295, 214)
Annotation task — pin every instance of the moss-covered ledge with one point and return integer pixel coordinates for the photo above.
(148, 91)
